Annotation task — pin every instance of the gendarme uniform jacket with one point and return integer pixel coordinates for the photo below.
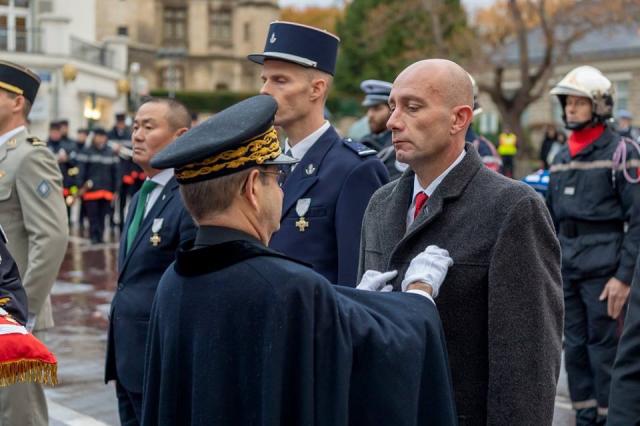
(33, 214)
(590, 206)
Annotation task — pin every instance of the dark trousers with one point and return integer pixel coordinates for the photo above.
(129, 406)
(97, 211)
(590, 341)
(507, 165)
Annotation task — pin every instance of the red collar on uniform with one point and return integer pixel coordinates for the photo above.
(580, 139)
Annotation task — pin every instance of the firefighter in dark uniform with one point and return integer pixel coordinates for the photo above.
(82, 135)
(591, 195)
(378, 112)
(488, 153)
(65, 151)
(99, 182)
(130, 175)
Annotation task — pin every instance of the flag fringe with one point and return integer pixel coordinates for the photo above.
(28, 370)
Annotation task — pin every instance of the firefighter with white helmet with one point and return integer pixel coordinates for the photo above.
(591, 195)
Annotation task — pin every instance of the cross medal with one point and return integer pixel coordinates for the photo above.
(155, 239)
(302, 207)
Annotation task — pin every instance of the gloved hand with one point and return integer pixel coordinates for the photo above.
(376, 281)
(429, 267)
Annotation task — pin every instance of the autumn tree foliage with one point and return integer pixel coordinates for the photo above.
(319, 17)
(381, 37)
(547, 27)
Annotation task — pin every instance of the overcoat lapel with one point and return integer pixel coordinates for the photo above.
(163, 200)
(299, 182)
(123, 238)
(451, 187)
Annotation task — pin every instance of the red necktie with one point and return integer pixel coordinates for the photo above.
(421, 200)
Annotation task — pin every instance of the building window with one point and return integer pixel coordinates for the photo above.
(621, 94)
(123, 30)
(172, 78)
(14, 28)
(220, 25)
(247, 31)
(175, 26)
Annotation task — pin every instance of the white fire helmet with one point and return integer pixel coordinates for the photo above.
(477, 109)
(587, 82)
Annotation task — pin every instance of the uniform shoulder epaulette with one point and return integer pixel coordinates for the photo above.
(358, 148)
(33, 140)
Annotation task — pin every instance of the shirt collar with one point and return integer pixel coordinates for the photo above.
(300, 149)
(11, 133)
(163, 177)
(431, 188)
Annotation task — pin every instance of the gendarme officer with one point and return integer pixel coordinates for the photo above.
(33, 214)
(327, 192)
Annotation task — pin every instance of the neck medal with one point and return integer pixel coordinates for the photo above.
(155, 229)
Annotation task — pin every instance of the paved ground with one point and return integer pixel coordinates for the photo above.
(81, 299)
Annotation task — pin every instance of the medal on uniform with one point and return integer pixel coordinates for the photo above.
(302, 207)
(155, 228)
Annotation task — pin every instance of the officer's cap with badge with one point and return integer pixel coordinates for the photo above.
(235, 139)
(17, 79)
(376, 92)
(300, 44)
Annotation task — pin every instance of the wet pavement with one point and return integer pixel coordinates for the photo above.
(81, 298)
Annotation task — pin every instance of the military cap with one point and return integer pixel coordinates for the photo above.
(121, 116)
(376, 92)
(300, 44)
(623, 113)
(54, 125)
(99, 131)
(19, 80)
(235, 139)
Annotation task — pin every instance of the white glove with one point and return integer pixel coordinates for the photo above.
(429, 267)
(376, 281)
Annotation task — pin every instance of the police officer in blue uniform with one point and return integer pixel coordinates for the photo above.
(592, 197)
(327, 192)
(378, 112)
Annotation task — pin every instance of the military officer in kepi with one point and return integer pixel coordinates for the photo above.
(33, 214)
(241, 334)
(327, 192)
(376, 101)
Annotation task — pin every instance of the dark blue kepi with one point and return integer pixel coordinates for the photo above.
(300, 44)
(235, 139)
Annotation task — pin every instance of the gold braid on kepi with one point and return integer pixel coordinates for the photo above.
(252, 153)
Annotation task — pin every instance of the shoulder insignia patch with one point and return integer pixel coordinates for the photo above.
(43, 189)
(358, 148)
(35, 141)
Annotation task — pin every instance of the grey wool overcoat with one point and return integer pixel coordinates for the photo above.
(501, 304)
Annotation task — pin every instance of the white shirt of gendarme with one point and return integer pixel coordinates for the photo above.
(161, 179)
(429, 190)
(11, 133)
(300, 149)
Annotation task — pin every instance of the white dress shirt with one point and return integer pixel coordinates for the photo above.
(161, 179)
(430, 189)
(11, 133)
(300, 149)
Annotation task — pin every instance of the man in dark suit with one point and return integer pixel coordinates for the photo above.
(325, 195)
(157, 223)
(624, 399)
(502, 307)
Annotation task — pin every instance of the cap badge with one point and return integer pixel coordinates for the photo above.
(273, 38)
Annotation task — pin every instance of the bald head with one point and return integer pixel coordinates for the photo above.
(445, 80)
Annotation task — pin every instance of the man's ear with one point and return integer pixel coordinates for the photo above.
(461, 118)
(180, 132)
(318, 88)
(18, 106)
(251, 188)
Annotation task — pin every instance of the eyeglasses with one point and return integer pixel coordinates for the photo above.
(280, 174)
